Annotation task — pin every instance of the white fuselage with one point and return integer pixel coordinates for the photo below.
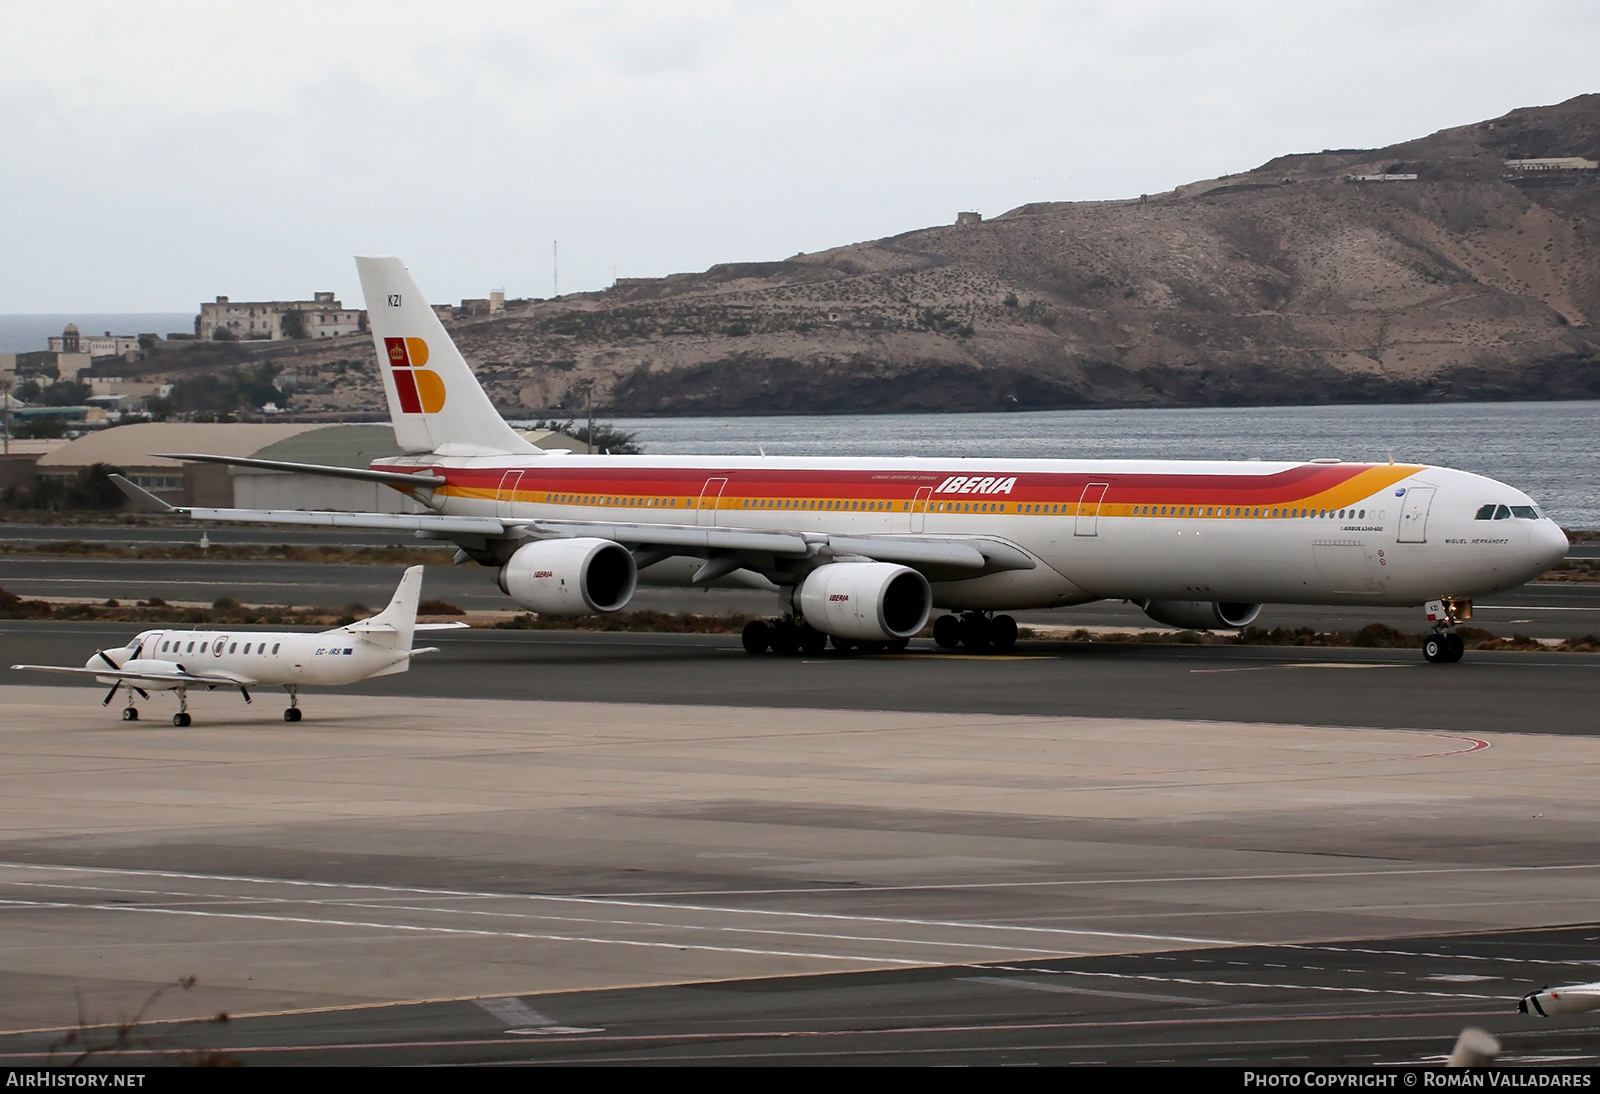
(254, 657)
(1250, 532)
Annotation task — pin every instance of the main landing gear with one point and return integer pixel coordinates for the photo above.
(976, 631)
(1444, 646)
(180, 719)
(293, 713)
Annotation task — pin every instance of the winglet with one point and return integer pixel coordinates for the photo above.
(142, 498)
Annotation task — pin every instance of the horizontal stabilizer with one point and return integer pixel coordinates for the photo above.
(362, 474)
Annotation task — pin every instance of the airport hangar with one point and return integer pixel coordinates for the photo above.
(131, 448)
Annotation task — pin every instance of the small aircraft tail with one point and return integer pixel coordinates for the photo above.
(435, 401)
(396, 625)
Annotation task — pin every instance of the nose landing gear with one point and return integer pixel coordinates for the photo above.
(1444, 646)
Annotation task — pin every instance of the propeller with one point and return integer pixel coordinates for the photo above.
(246, 693)
(112, 694)
(143, 694)
(102, 655)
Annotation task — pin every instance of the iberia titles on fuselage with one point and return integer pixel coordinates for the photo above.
(862, 549)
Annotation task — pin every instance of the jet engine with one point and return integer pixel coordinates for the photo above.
(570, 576)
(867, 601)
(1201, 615)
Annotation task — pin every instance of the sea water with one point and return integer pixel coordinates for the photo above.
(1549, 450)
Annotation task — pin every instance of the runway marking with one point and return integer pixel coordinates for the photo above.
(527, 1021)
(1068, 989)
(1192, 982)
(732, 1035)
(602, 898)
(1312, 665)
(728, 928)
(466, 931)
(1581, 963)
(624, 902)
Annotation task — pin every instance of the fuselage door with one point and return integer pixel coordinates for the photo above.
(919, 509)
(505, 498)
(710, 500)
(1088, 522)
(1414, 514)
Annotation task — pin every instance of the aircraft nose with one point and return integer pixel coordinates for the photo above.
(1547, 544)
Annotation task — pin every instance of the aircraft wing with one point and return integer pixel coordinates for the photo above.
(198, 679)
(938, 556)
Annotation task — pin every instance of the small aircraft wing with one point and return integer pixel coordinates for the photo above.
(198, 679)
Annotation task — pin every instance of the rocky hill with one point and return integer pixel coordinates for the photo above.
(1289, 283)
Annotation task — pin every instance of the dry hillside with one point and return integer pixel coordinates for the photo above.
(1284, 284)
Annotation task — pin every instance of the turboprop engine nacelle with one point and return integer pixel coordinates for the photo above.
(1201, 615)
(570, 576)
(868, 601)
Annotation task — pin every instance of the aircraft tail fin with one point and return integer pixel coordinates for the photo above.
(435, 401)
(397, 624)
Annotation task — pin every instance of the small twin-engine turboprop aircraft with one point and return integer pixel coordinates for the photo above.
(861, 550)
(182, 659)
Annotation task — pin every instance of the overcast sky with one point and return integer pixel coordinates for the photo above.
(154, 155)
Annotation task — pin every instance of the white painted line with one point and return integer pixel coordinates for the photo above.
(1068, 989)
(463, 931)
(619, 902)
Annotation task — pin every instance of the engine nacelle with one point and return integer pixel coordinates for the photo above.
(570, 576)
(1201, 615)
(867, 601)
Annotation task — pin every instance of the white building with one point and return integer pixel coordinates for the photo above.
(1554, 163)
(95, 345)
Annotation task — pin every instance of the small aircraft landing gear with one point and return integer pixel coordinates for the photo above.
(180, 719)
(293, 713)
(1444, 646)
(130, 714)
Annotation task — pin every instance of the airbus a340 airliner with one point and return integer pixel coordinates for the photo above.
(863, 550)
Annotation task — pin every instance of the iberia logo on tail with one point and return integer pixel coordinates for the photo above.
(421, 390)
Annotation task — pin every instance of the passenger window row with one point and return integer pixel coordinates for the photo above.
(178, 647)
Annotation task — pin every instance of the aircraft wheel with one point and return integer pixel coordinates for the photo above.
(1433, 649)
(899, 644)
(812, 641)
(292, 714)
(976, 632)
(180, 719)
(844, 645)
(757, 636)
(1454, 647)
(785, 638)
(947, 632)
(129, 714)
(1003, 632)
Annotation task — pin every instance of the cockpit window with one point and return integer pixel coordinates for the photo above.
(1502, 512)
(1526, 512)
(1485, 512)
